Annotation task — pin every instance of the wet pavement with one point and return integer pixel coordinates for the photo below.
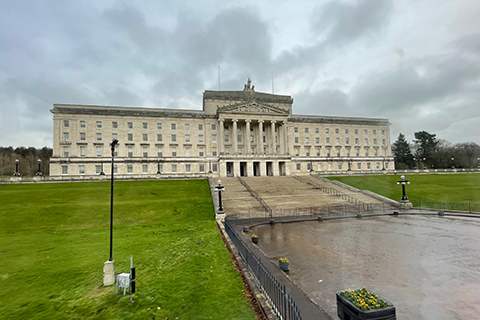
(427, 266)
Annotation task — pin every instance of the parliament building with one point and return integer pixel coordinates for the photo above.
(238, 133)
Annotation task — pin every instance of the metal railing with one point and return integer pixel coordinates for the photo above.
(331, 191)
(448, 206)
(256, 196)
(282, 304)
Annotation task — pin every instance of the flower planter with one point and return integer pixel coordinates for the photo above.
(246, 229)
(348, 311)
(284, 266)
(255, 240)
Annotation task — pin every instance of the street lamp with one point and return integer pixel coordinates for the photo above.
(113, 145)
(403, 182)
(158, 167)
(39, 173)
(383, 164)
(478, 159)
(423, 163)
(219, 188)
(16, 174)
(101, 171)
(453, 167)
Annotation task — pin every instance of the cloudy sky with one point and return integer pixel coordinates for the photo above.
(416, 63)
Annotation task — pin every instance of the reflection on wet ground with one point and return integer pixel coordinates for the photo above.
(427, 266)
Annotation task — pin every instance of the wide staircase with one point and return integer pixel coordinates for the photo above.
(263, 197)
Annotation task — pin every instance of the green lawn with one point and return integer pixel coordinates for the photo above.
(54, 239)
(452, 188)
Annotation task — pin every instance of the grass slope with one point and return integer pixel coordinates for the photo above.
(54, 239)
(452, 188)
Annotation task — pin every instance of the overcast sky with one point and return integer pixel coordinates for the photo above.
(416, 63)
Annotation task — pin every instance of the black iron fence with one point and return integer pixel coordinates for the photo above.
(282, 304)
(447, 206)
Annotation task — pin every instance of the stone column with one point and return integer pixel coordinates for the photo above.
(273, 144)
(234, 137)
(281, 135)
(221, 139)
(247, 138)
(260, 136)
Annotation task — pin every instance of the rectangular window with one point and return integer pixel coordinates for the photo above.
(81, 169)
(99, 136)
(356, 131)
(66, 152)
(66, 123)
(319, 167)
(145, 125)
(317, 130)
(317, 140)
(337, 141)
(307, 140)
(339, 166)
(329, 167)
(227, 139)
(374, 132)
(378, 166)
(174, 151)
(359, 166)
(383, 132)
(115, 169)
(337, 131)
(200, 127)
(338, 152)
(297, 151)
(174, 126)
(375, 142)
(306, 130)
(64, 169)
(366, 153)
(239, 138)
(201, 168)
(252, 138)
(368, 166)
(174, 137)
(383, 141)
(188, 168)
(145, 152)
(98, 169)
(201, 151)
(144, 168)
(295, 129)
(145, 137)
(83, 124)
(114, 125)
(187, 138)
(159, 125)
(83, 151)
(114, 136)
(317, 150)
(99, 151)
(83, 137)
(327, 130)
(299, 166)
(130, 136)
(130, 151)
(214, 138)
(296, 139)
(346, 131)
(200, 138)
(188, 151)
(309, 166)
(66, 136)
(130, 125)
(214, 126)
(347, 140)
(307, 152)
(160, 152)
(356, 141)
(327, 140)
(365, 132)
(174, 168)
(187, 127)
(214, 151)
(214, 167)
(159, 137)
(129, 168)
(366, 141)
(99, 124)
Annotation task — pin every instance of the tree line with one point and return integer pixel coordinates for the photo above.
(428, 152)
(28, 163)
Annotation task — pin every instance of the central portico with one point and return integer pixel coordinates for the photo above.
(253, 131)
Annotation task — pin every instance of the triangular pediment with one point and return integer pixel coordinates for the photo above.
(253, 108)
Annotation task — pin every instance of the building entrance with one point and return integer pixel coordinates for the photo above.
(243, 169)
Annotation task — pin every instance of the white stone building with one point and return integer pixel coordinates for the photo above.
(238, 133)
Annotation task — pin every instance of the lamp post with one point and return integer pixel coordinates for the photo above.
(16, 174)
(383, 164)
(478, 159)
(403, 182)
(113, 145)
(101, 171)
(423, 165)
(219, 188)
(453, 166)
(39, 173)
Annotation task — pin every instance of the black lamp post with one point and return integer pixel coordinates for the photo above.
(383, 164)
(220, 188)
(453, 166)
(39, 173)
(478, 159)
(158, 167)
(403, 182)
(349, 165)
(101, 171)
(113, 145)
(16, 174)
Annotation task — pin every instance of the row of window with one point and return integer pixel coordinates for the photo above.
(145, 168)
(340, 166)
(99, 151)
(98, 125)
(338, 141)
(337, 131)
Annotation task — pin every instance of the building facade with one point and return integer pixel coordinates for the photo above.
(238, 133)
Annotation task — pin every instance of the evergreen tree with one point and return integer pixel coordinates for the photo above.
(402, 152)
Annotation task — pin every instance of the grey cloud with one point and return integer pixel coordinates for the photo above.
(343, 22)
(331, 102)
